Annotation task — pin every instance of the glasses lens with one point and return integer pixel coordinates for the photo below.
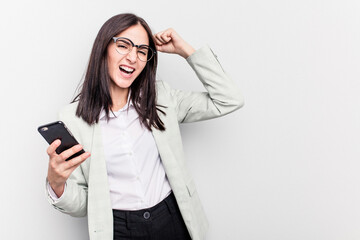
(123, 46)
(144, 53)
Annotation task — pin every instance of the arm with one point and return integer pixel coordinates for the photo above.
(73, 199)
(222, 96)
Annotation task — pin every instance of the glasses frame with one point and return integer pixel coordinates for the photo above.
(137, 46)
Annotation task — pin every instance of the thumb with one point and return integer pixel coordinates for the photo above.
(159, 48)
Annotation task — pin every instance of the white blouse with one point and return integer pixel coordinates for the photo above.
(137, 178)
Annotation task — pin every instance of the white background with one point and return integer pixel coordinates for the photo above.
(286, 166)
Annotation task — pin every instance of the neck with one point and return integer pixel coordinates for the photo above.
(119, 98)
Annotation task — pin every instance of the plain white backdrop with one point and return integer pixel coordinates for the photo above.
(284, 167)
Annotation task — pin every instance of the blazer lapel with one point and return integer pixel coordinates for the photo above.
(99, 203)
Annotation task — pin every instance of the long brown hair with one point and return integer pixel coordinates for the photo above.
(95, 91)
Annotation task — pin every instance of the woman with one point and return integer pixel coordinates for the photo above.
(132, 182)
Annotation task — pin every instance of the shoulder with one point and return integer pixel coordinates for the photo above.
(80, 129)
(163, 92)
(67, 114)
(77, 125)
(162, 86)
(68, 111)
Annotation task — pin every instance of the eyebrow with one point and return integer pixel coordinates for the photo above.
(136, 45)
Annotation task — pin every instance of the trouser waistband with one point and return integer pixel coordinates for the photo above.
(167, 205)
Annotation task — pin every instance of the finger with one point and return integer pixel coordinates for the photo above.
(71, 151)
(71, 169)
(165, 37)
(75, 162)
(53, 146)
(159, 37)
(158, 42)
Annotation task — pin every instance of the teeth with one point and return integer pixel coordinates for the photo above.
(127, 69)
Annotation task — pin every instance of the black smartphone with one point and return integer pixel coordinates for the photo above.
(58, 130)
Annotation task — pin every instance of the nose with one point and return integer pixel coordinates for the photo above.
(132, 55)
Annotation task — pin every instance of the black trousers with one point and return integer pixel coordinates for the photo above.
(161, 222)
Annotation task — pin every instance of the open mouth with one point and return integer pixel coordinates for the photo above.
(126, 70)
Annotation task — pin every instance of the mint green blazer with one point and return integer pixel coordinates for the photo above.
(87, 190)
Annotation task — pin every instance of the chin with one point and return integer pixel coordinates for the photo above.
(123, 83)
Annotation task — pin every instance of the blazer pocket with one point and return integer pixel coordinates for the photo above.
(191, 188)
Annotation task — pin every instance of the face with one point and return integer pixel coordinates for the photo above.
(124, 69)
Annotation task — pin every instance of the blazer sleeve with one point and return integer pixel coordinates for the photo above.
(74, 199)
(222, 96)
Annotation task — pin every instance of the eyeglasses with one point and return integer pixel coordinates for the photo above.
(125, 45)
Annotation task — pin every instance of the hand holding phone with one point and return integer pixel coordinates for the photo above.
(60, 151)
(58, 130)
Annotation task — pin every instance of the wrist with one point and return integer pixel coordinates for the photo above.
(187, 51)
(58, 188)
